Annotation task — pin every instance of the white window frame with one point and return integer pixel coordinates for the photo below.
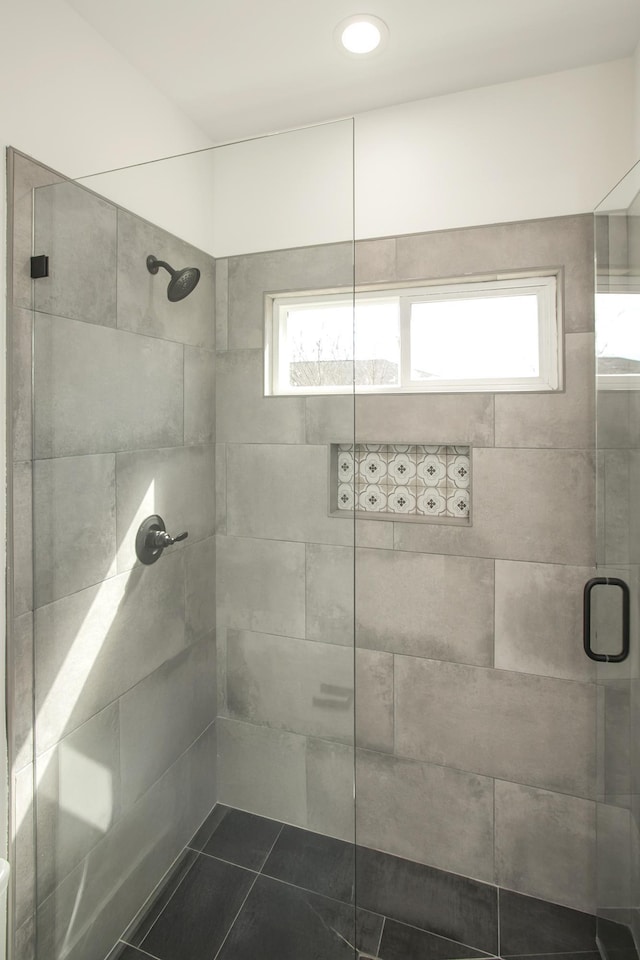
(544, 286)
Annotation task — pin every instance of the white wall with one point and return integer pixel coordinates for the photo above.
(540, 147)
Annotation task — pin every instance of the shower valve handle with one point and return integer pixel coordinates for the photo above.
(152, 538)
(162, 539)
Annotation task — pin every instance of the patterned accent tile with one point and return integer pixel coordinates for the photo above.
(402, 465)
(346, 496)
(372, 463)
(420, 480)
(458, 470)
(458, 503)
(401, 500)
(346, 466)
(372, 498)
(432, 502)
(432, 468)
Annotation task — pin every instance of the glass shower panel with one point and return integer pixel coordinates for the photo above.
(194, 715)
(617, 240)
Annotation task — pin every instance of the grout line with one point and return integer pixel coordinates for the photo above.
(271, 849)
(384, 920)
(146, 952)
(229, 863)
(233, 923)
(178, 885)
(438, 936)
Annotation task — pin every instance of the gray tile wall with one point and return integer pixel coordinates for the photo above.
(125, 655)
(475, 707)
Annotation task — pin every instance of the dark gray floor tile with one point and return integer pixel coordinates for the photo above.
(142, 924)
(281, 922)
(196, 920)
(442, 903)
(615, 938)
(402, 942)
(317, 863)
(123, 951)
(585, 955)
(530, 926)
(203, 832)
(242, 838)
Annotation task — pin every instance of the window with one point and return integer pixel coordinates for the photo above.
(465, 336)
(617, 339)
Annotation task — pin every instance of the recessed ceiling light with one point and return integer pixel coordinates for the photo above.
(361, 34)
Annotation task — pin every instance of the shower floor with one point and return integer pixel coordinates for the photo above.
(248, 888)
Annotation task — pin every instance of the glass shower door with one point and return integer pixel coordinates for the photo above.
(193, 717)
(615, 592)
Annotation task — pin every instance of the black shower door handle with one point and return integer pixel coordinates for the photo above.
(606, 582)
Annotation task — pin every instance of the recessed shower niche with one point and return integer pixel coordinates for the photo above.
(429, 482)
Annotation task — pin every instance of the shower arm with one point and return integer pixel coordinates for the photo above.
(153, 264)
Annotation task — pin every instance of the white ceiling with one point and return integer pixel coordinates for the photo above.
(240, 68)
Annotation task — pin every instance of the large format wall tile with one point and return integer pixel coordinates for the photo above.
(539, 619)
(19, 333)
(330, 593)
(221, 488)
(199, 395)
(98, 390)
(330, 789)
(143, 306)
(427, 418)
(616, 857)
(163, 715)
(88, 911)
(565, 242)
(545, 845)
(375, 260)
(77, 231)
(527, 505)
(330, 419)
(96, 644)
(19, 693)
(222, 304)
(618, 419)
(243, 413)
(200, 589)
(497, 723)
(178, 483)
(260, 585)
(281, 492)
(562, 419)
(304, 268)
(616, 730)
(416, 811)
(297, 685)
(79, 796)
(23, 867)
(374, 700)
(262, 770)
(24, 175)
(405, 603)
(22, 537)
(74, 519)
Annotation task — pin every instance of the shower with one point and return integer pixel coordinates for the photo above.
(182, 282)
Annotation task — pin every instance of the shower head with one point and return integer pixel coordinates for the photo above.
(182, 282)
